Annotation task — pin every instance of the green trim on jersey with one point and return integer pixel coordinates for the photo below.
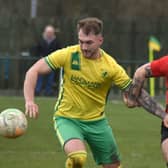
(47, 60)
(61, 93)
(126, 84)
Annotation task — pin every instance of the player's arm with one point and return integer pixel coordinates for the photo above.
(132, 92)
(144, 98)
(148, 103)
(39, 68)
(136, 92)
(152, 106)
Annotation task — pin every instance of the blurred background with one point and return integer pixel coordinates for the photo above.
(128, 26)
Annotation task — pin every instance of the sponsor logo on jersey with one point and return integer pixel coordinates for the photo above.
(84, 83)
(75, 61)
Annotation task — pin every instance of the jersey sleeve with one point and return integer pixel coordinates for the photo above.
(159, 67)
(120, 77)
(57, 59)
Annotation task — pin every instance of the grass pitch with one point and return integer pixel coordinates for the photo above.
(136, 131)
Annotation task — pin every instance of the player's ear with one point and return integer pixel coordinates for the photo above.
(101, 39)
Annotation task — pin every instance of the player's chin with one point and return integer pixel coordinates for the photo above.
(86, 55)
(89, 56)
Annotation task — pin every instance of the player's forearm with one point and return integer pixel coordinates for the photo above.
(140, 75)
(29, 85)
(149, 104)
(137, 82)
(132, 92)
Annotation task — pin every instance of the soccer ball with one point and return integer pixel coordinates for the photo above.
(13, 123)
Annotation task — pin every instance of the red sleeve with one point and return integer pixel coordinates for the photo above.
(159, 67)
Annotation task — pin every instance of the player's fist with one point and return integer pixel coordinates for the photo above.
(128, 101)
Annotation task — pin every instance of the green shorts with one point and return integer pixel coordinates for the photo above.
(98, 134)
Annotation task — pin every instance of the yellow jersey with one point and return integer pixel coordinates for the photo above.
(85, 82)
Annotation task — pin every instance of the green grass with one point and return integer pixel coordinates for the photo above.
(136, 131)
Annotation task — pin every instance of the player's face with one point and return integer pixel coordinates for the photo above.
(90, 44)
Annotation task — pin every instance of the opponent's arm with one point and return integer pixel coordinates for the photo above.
(136, 92)
(149, 104)
(143, 97)
(133, 91)
(152, 106)
(144, 100)
(40, 67)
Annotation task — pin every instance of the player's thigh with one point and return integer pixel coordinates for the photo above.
(164, 132)
(68, 130)
(164, 141)
(164, 146)
(103, 144)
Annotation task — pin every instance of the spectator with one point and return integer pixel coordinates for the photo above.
(45, 46)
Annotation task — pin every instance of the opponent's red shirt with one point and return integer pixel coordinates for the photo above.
(159, 68)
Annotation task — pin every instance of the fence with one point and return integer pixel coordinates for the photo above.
(13, 69)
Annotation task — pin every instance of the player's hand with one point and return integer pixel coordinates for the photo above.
(129, 102)
(31, 109)
(165, 120)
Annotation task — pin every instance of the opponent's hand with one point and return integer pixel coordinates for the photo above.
(31, 109)
(165, 120)
(130, 103)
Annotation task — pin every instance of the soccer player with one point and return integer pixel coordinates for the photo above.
(156, 68)
(88, 73)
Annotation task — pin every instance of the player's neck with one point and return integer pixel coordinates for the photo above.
(96, 55)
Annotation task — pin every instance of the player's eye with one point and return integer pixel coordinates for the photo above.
(89, 42)
(80, 42)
